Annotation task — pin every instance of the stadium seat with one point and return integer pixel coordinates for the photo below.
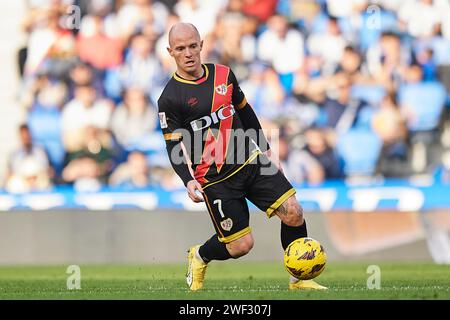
(45, 127)
(319, 23)
(148, 143)
(358, 161)
(370, 33)
(286, 80)
(439, 46)
(321, 119)
(372, 94)
(426, 101)
(364, 118)
(346, 27)
(113, 87)
(284, 7)
(441, 51)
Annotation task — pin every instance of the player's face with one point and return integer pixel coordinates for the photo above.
(185, 49)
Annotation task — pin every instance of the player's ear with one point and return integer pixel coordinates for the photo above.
(170, 51)
(201, 45)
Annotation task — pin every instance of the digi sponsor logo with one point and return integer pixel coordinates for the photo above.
(213, 118)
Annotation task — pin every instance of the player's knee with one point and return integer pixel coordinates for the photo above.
(294, 215)
(241, 246)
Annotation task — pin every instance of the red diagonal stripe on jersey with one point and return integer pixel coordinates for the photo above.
(215, 148)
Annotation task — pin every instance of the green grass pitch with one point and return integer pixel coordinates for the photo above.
(225, 280)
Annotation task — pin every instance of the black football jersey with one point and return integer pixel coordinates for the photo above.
(202, 113)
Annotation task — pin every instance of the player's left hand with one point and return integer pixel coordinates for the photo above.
(195, 191)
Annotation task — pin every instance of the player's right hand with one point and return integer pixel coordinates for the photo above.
(195, 191)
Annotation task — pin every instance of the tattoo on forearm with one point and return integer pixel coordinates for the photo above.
(283, 209)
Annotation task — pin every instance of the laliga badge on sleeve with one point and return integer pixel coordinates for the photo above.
(162, 120)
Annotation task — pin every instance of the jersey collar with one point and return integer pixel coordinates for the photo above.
(200, 80)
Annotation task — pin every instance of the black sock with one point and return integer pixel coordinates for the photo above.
(213, 249)
(289, 234)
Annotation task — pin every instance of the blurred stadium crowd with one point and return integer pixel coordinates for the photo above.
(356, 88)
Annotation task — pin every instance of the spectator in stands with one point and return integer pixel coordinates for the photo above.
(351, 64)
(95, 47)
(50, 48)
(235, 48)
(101, 8)
(299, 113)
(44, 120)
(52, 95)
(210, 50)
(342, 111)
(29, 169)
(328, 46)
(161, 45)
(281, 46)
(318, 147)
(141, 67)
(133, 14)
(387, 60)
(234, 6)
(83, 173)
(390, 125)
(82, 74)
(305, 13)
(89, 166)
(309, 83)
(426, 61)
(420, 18)
(202, 13)
(261, 9)
(413, 76)
(134, 121)
(444, 9)
(263, 91)
(134, 173)
(422, 103)
(33, 88)
(299, 166)
(345, 9)
(83, 112)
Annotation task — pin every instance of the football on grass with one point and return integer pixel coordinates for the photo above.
(305, 258)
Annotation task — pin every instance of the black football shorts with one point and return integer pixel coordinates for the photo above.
(267, 188)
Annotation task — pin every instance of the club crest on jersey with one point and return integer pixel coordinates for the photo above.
(162, 120)
(222, 89)
(227, 224)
